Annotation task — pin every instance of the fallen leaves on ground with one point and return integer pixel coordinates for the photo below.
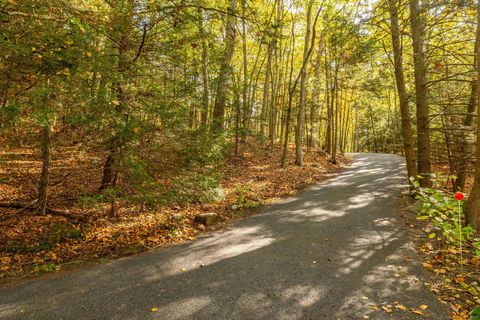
(32, 244)
(456, 284)
(397, 310)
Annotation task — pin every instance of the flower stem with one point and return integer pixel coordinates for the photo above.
(460, 227)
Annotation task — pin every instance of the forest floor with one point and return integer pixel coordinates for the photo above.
(32, 244)
(454, 276)
(337, 250)
(455, 281)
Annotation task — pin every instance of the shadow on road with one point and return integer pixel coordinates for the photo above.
(331, 252)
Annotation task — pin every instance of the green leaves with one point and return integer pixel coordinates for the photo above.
(442, 210)
(475, 314)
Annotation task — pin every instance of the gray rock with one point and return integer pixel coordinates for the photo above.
(207, 219)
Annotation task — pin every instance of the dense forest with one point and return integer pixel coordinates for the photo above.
(109, 108)
(133, 79)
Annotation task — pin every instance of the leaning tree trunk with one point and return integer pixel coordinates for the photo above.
(423, 126)
(225, 71)
(407, 131)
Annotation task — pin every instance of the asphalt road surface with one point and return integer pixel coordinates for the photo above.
(335, 251)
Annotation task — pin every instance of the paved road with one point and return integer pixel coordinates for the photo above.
(330, 253)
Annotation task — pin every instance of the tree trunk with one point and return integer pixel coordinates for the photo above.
(225, 71)
(316, 100)
(423, 126)
(463, 151)
(473, 204)
(110, 167)
(43, 182)
(266, 92)
(328, 85)
(290, 101)
(125, 64)
(334, 107)
(245, 105)
(205, 84)
(303, 79)
(407, 131)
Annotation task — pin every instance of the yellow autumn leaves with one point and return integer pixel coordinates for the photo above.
(389, 308)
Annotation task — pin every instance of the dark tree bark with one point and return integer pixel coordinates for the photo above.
(423, 127)
(463, 159)
(44, 175)
(407, 131)
(473, 204)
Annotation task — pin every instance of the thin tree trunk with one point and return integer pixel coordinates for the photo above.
(303, 79)
(316, 100)
(335, 114)
(266, 93)
(328, 84)
(292, 89)
(245, 105)
(205, 84)
(277, 74)
(289, 104)
(44, 175)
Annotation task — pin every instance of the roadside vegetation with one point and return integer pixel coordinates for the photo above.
(126, 125)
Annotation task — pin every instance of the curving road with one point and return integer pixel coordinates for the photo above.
(335, 251)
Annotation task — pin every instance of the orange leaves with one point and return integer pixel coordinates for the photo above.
(459, 279)
(135, 228)
(458, 291)
(427, 266)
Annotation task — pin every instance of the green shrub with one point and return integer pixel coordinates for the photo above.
(444, 212)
